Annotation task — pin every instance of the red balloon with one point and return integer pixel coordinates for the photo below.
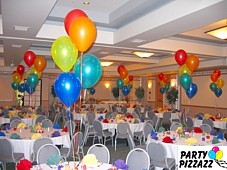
(218, 72)
(29, 58)
(181, 57)
(160, 76)
(214, 77)
(120, 68)
(20, 69)
(130, 78)
(72, 15)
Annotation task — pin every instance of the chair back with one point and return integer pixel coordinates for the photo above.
(90, 117)
(101, 152)
(47, 123)
(189, 122)
(38, 143)
(122, 130)
(57, 118)
(135, 115)
(97, 125)
(71, 126)
(206, 128)
(138, 159)
(108, 115)
(167, 115)
(40, 118)
(6, 149)
(175, 125)
(113, 115)
(114, 108)
(150, 114)
(209, 122)
(77, 142)
(138, 110)
(157, 152)
(15, 122)
(38, 111)
(14, 118)
(45, 152)
(156, 122)
(124, 109)
(147, 128)
(46, 113)
(131, 142)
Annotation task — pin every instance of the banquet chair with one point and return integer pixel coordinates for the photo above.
(101, 152)
(206, 128)
(158, 156)
(100, 133)
(121, 132)
(124, 109)
(108, 115)
(114, 108)
(57, 118)
(40, 118)
(14, 118)
(88, 132)
(209, 122)
(45, 152)
(38, 111)
(7, 153)
(150, 114)
(90, 116)
(138, 159)
(138, 110)
(70, 124)
(166, 120)
(46, 113)
(135, 115)
(156, 122)
(76, 147)
(175, 125)
(47, 123)
(147, 128)
(190, 123)
(113, 115)
(37, 144)
(131, 142)
(15, 122)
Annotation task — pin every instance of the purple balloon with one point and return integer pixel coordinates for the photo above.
(67, 87)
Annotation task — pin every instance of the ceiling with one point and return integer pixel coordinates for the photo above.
(123, 26)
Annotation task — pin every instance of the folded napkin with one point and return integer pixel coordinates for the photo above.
(215, 140)
(65, 129)
(21, 125)
(212, 118)
(6, 127)
(136, 121)
(190, 141)
(24, 165)
(100, 118)
(207, 115)
(54, 160)
(14, 136)
(2, 134)
(220, 136)
(36, 136)
(167, 139)
(200, 118)
(56, 126)
(105, 111)
(213, 132)
(155, 111)
(161, 129)
(197, 130)
(120, 164)
(105, 121)
(55, 134)
(130, 116)
(142, 120)
(152, 133)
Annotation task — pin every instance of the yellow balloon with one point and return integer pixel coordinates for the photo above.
(162, 83)
(33, 70)
(219, 154)
(126, 80)
(184, 69)
(16, 77)
(220, 83)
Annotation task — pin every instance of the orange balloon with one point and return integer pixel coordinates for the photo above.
(16, 77)
(184, 69)
(192, 62)
(166, 79)
(40, 63)
(220, 83)
(126, 80)
(162, 83)
(124, 73)
(82, 32)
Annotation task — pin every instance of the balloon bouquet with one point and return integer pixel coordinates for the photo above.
(217, 82)
(164, 81)
(37, 64)
(124, 82)
(188, 64)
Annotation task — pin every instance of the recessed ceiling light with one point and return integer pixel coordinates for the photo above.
(105, 64)
(104, 52)
(20, 28)
(142, 54)
(138, 41)
(86, 3)
(220, 33)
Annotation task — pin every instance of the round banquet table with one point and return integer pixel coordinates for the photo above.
(100, 166)
(172, 148)
(217, 123)
(28, 121)
(25, 144)
(82, 115)
(173, 115)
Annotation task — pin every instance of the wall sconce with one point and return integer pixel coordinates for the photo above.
(149, 84)
(173, 82)
(107, 85)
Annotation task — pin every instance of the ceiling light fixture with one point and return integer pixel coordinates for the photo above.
(20, 28)
(86, 3)
(220, 33)
(106, 64)
(143, 54)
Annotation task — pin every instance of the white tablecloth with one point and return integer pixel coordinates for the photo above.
(28, 121)
(217, 124)
(173, 115)
(25, 144)
(100, 166)
(79, 116)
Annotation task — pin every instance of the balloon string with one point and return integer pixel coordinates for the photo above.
(70, 130)
(81, 62)
(189, 106)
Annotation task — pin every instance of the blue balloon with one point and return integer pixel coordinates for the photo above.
(212, 154)
(67, 87)
(218, 92)
(91, 70)
(191, 90)
(29, 89)
(162, 90)
(21, 87)
(92, 91)
(126, 90)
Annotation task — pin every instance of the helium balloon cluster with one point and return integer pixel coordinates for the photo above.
(37, 64)
(125, 80)
(164, 81)
(188, 64)
(217, 82)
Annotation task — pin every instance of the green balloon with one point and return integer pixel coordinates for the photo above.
(14, 85)
(185, 80)
(167, 87)
(120, 83)
(213, 86)
(130, 86)
(32, 80)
